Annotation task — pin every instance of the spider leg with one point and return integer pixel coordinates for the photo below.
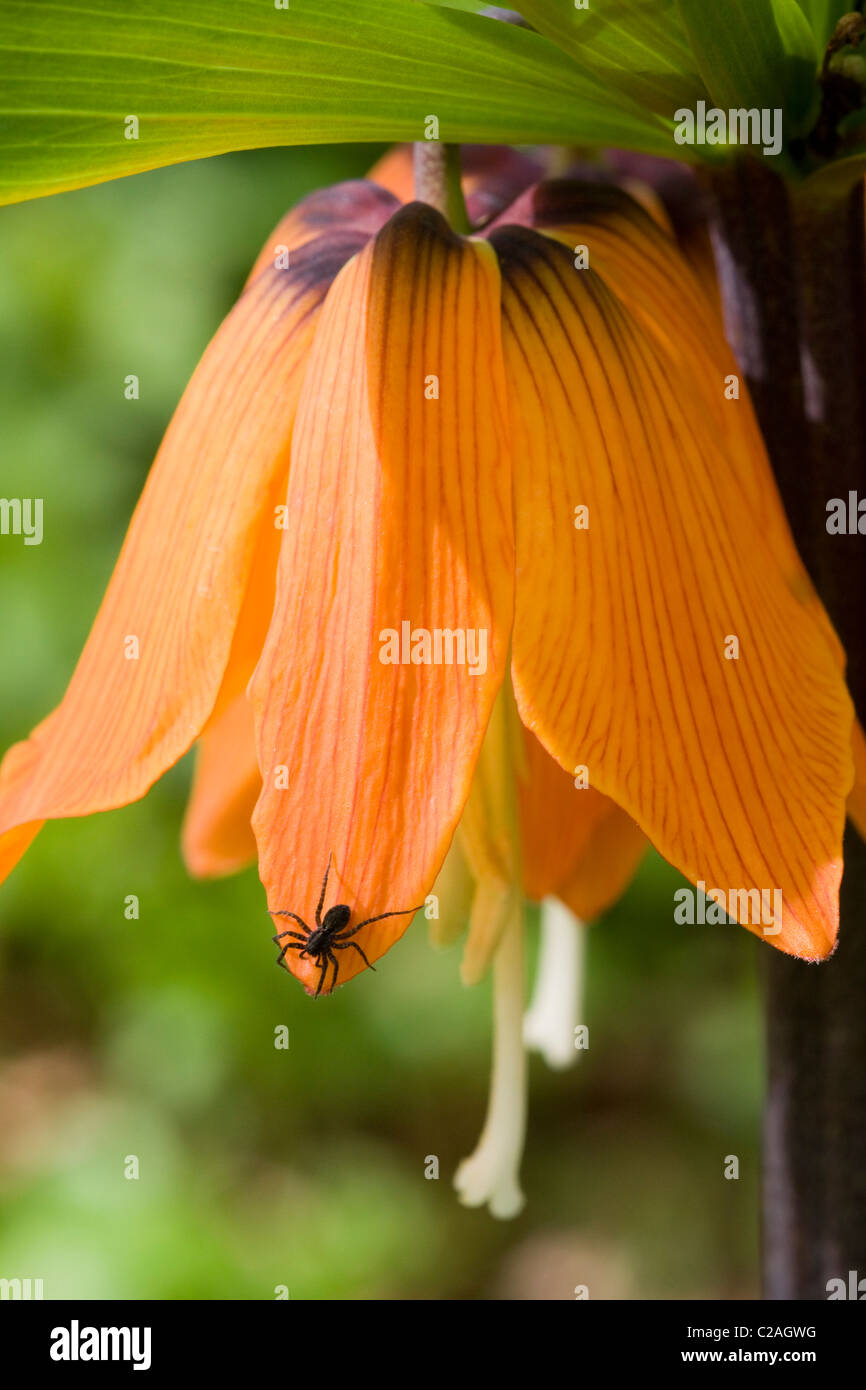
(295, 934)
(290, 946)
(323, 970)
(324, 889)
(336, 964)
(293, 915)
(342, 935)
(346, 945)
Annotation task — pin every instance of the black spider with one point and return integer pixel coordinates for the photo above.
(329, 935)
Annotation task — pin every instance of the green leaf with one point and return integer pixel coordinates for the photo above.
(837, 180)
(208, 76)
(470, 6)
(823, 16)
(637, 46)
(756, 53)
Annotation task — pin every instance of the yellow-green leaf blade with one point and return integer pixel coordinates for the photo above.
(208, 76)
(639, 47)
(823, 16)
(757, 54)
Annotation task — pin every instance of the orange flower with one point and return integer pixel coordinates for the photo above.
(412, 471)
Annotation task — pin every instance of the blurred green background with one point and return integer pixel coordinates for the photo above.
(305, 1168)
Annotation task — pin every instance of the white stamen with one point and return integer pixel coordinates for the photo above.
(549, 1026)
(492, 1173)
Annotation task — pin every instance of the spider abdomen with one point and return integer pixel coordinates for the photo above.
(336, 918)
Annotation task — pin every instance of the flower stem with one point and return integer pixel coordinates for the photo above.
(792, 274)
(437, 181)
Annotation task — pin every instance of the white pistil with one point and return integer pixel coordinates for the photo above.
(549, 1026)
(491, 1173)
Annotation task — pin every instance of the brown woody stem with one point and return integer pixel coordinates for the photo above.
(793, 281)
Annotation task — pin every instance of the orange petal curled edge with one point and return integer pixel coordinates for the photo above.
(180, 580)
(737, 770)
(680, 304)
(401, 499)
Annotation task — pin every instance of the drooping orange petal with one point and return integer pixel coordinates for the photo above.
(610, 859)
(153, 664)
(354, 206)
(644, 268)
(395, 171)
(402, 506)
(736, 769)
(686, 209)
(682, 305)
(217, 834)
(577, 844)
(646, 271)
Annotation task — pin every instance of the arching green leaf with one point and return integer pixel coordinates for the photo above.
(208, 76)
(756, 53)
(638, 46)
(823, 16)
